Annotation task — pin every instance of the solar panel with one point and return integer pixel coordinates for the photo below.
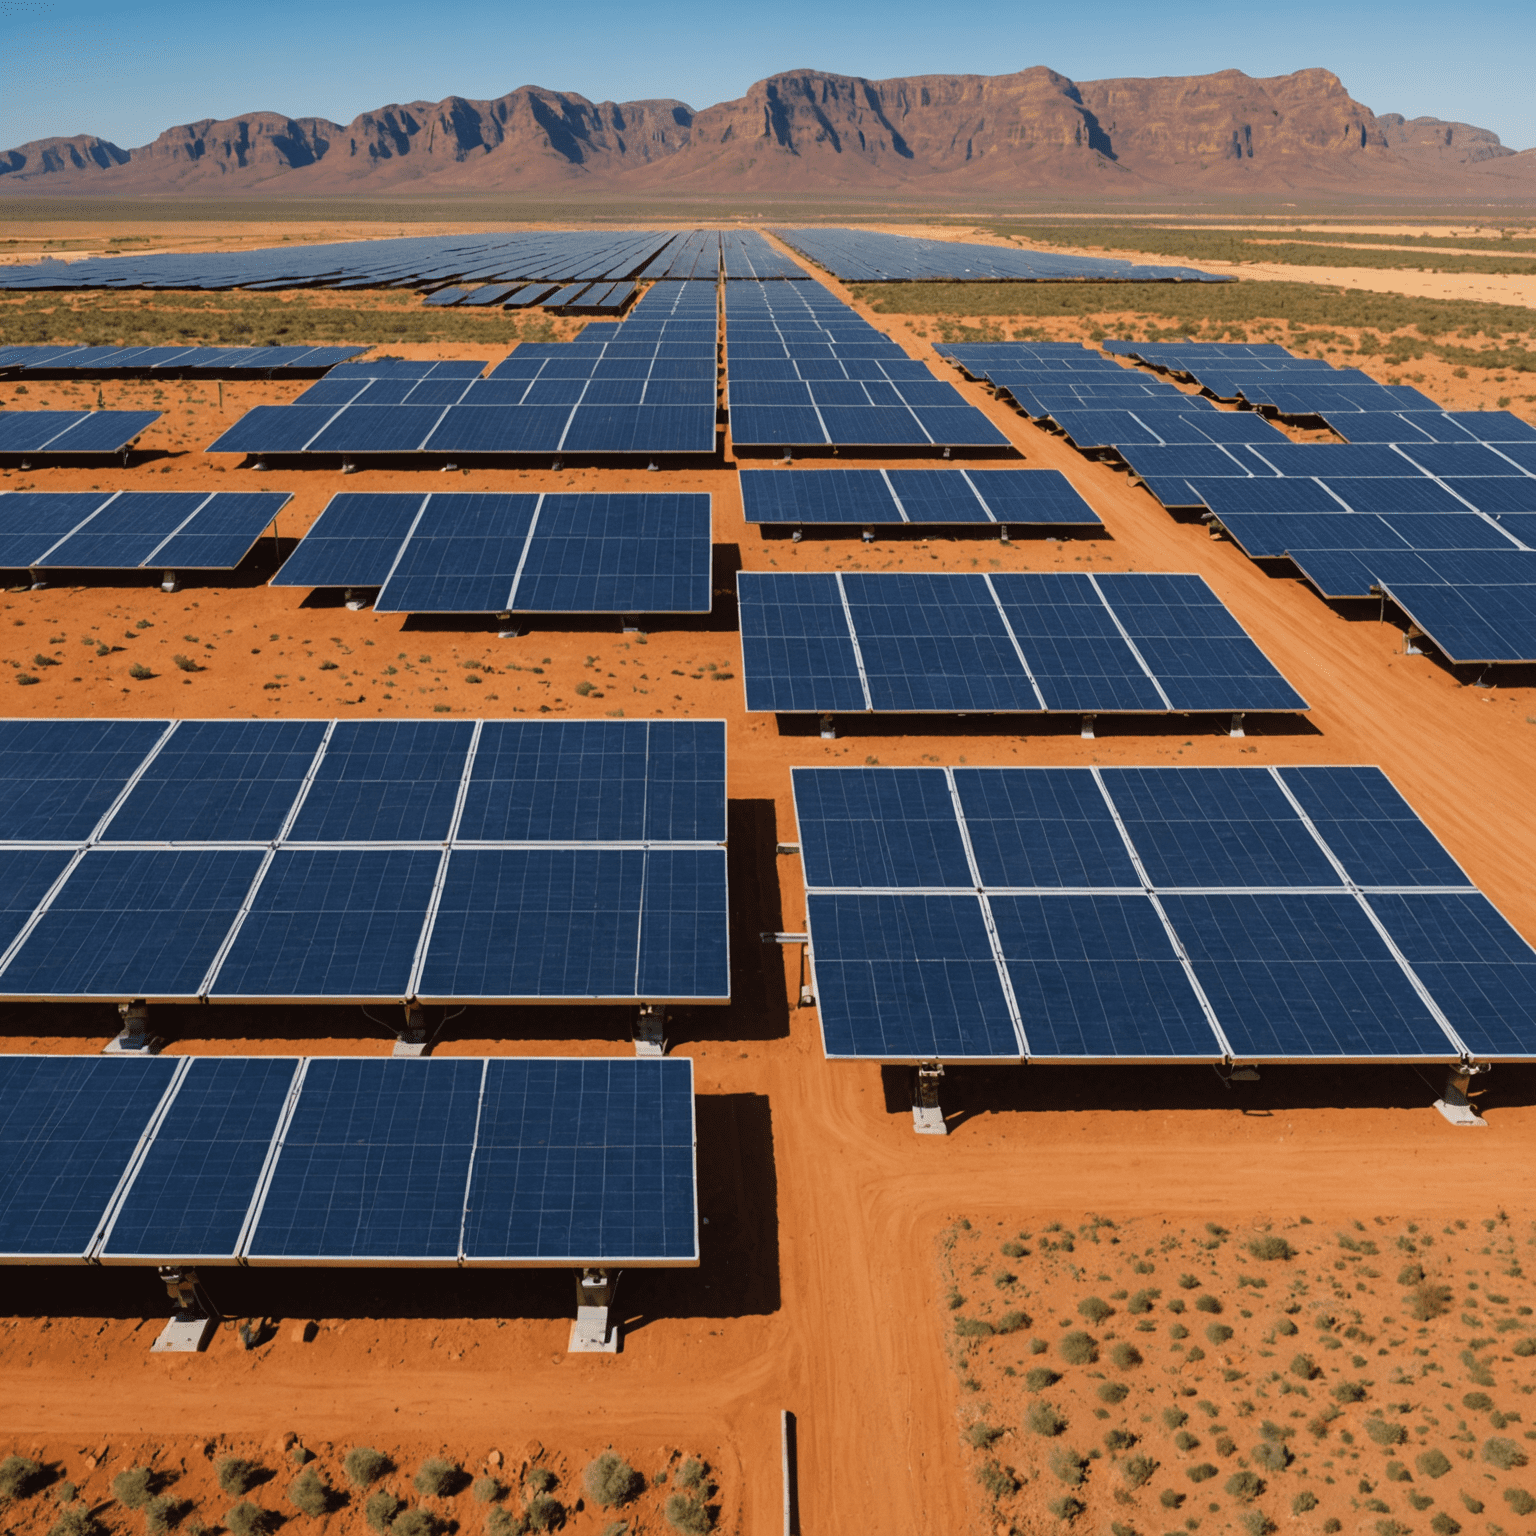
(1146, 914)
(866, 497)
(54, 432)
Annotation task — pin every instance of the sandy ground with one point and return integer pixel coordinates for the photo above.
(823, 1284)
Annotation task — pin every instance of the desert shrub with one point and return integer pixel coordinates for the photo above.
(1271, 1455)
(417, 1522)
(1520, 1501)
(439, 1479)
(1176, 1304)
(1244, 1486)
(76, 1520)
(539, 1479)
(1170, 1498)
(1303, 1502)
(1443, 1525)
(974, 1328)
(1285, 1327)
(689, 1515)
(1094, 1309)
(1419, 1501)
(1066, 1507)
(310, 1494)
(1013, 1250)
(1041, 1377)
(237, 1475)
(134, 1488)
(1257, 1523)
(1188, 1283)
(1225, 1445)
(1068, 1466)
(1113, 1392)
(980, 1435)
(1503, 1454)
(381, 1509)
(502, 1522)
(1125, 1356)
(248, 1519)
(19, 1476)
(364, 1465)
(1012, 1321)
(1186, 1441)
(163, 1515)
(1079, 1348)
(1332, 1525)
(1207, 1303)
(489, 1490)
(300, 1457)
(1118, 1440)
(1178, 1332)
(1478, 1402)
(139, 671)
(1349, 1392)
(1218, 1333)
(544, 1513)
(1410, 1274)
(1433, 1463)
(1202, 1473)
(1305, 1367)
(611, 1481)
(1398, 1473)
(1142, 1302)
(1136, 1470)
(1525, 1348)
(1174, 1418)
(1042, 1419)
(1428, 1300)
(999, 1481)
(1474, 1506)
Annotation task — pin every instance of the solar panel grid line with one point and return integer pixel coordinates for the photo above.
(149, 558)
(1018, 649)
(76, 529)
(853, 637)
(886, 477)
(440, 880)
(405, 542)
(114, 1206)
(1435, 1010)
(474, 1148)
(274, 1153)
(1131, 645)
(522, 559)
(40, 911)
(976, 491)
(1206, 1006)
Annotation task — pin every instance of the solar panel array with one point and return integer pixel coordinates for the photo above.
(127, 530)
(229, 1160)
(56, 432)
(805, 371)
(864, 256)
(1026, 642)
(481, 553)
(334, 861)
(746, 254)
(646, 386)
(171, 362)
(1147, 914)
(871, 497)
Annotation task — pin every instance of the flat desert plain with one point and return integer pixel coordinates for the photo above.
(852, 1272)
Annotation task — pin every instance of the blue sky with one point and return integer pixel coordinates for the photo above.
(128, 68)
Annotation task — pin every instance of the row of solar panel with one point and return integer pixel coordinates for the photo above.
(834, 642)
(478, 553)
(872, 497)
(272, 1160)
(1144, 914)
(681, 382)
(571, 298)
(132, 529)
(170, 362)
(94, 432)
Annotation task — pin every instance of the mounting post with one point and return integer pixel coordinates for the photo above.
(807, 997)
(1409, 648)
(1002, 535)
(946, 453)
(789, 458)
(868, 535)
(449, 467)
(1236, 728)
(348, 467)
(797, 535)
(168, 582)
(593, 1332)
(507, 628)
(828, 728)
(354, 599)
(36, 578)
(1455, 1102)
(630, 624)
(927, 1116)
(1088, 727)
(650, 1030)
(415, 1035)
(133, 1038)
(192, 1316)
(260, 466)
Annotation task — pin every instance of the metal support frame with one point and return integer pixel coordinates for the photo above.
(1002, 534)
(828, 728)
(193, 1317)
(348, 467)
(354, 599)
(650, 1030)
(35, 578)
(414, 1038)
(1455, 1101)
(796, 536)
(1237, 725)
(507, 628)
(868, 535)
(630, 624)
(595, 1332)
(1088, 724)
(807, 997)
(133, 1037)
(927, 1115)
(168, 582)
(1413, 633)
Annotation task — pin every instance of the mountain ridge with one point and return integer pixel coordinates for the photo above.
(799, 131)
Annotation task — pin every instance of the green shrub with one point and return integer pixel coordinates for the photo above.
(76, 1520)
(1474, 1506)
(1478, 1402)
(1042, 1419)
(1271, 1246)
(1178, 1332)
(163, 1515)
(489, 1490)
(691, 1474)
(1094, 1309)
(1174, 1418)
(381, 1509)
(1068, 1466)
(1433, 1463)
(1285, 1327)
(1443, 1525)
(1038, 1379)
(248, 1519)
(1113, 1392)
(980, 1436)
(1419, 1501)
(1170, 1498)
(1218, 1334)
(1525, 1348)
(417, 1522)
(1398, 1473)
(1225, 1445)
(134, 1488)
(1066, 1507)
(1503, 1454)
(1013, 1250)
(1079, 1348)
(1142, 1302)
(1137, 1470)
(1207, 1303)
(1256, 1523)
(611, 1481)
(310, 1494)
(502, 1522)
(364, 1465)
(1125, 1356)
(1271, 1455)
(544, 1513)
(19, 1476)
(237, 1475)
(1519, 1501)
(539, 1479)
(1245, 1486)
(439, 1479)
(1012, 1321)
(1202, 1473)
(1305, 1367)
(1428, 1300)
(688, 1515)
(300, 1457)
(1331, 1525)
(1186, 1441)
(1000, 1482)
(974, 1328)
(1304, 1501)
(1349, 1392)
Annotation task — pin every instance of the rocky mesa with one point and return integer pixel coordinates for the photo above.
(809, 132)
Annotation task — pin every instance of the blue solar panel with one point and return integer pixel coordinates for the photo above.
(830, 496)
(1027, 495)
(1460, 459)
(221, 534)
(97, 431)
(33, 521)
(641, 429)
(796, 647)
(1272, 497)
(908, 977)
(683, 948)
(374, 1163)
(58, 778)
(68, 1127)
(134, 923)
(220, 780)
(189, 1199)
(27, 876)
(1349, 460)
(1097, 978)
(583, 1161)
(274, 429)
(1303, 977)
(883, 827)
(1495, 494)
(1482, 623)
(463, 556)
(353, 543)
(499, 429)
(1382, 495)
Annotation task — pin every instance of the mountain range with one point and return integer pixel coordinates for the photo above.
(809, 132)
